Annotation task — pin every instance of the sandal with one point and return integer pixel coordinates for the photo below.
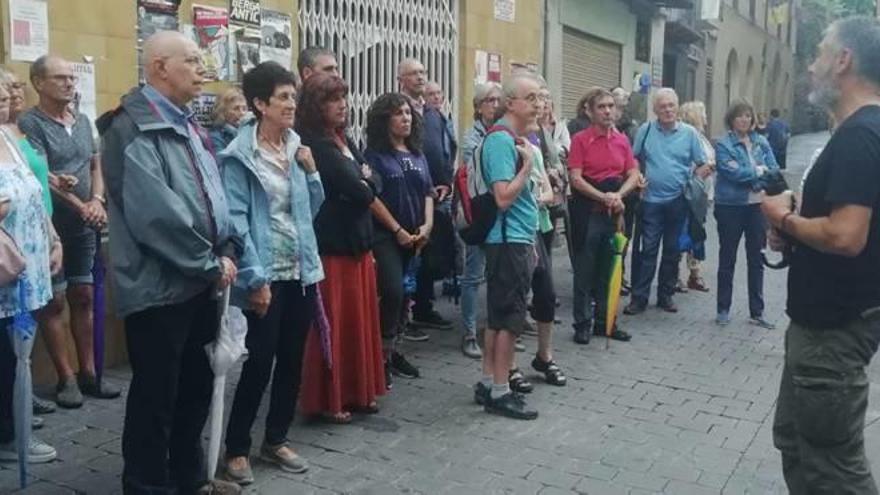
(340, 418)
(553, 374)
(518, 382)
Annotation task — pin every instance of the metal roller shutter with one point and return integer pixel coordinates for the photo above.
(587, 61)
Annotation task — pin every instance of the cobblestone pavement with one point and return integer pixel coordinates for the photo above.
(685, 408)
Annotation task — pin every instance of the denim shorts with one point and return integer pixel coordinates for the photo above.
(79, 245)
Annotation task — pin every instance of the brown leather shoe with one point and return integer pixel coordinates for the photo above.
(697, 283)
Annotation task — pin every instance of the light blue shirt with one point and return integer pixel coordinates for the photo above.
(670, 156)
(182, 119)
(499, 161)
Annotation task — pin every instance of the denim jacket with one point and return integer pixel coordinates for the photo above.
(249, 210)
(737, 174)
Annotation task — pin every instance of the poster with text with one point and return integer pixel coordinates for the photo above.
(202, 106)
(245, 13)
(275, 35)
(29, 28)
(505, 10)
(154, 16)
(85, 90)
(211, 26)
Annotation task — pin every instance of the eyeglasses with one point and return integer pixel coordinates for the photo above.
(64, 78)
(493, 99)
(531, 98)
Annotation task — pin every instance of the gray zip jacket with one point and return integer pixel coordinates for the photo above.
(163, 245)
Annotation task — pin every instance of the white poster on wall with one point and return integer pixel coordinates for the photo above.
(29, 29)
(85, 90)
(710, 10)
(505, 10)
(481, 67)
(276, 44)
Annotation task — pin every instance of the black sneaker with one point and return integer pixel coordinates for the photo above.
(433, 320)
(414, 334)
(510, 405)
(616, 333)
(635, 308)
(401, 367)
(482, 393)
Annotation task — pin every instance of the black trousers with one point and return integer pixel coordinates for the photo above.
(7, 382)
(278, 339)
(169, 396)
(391, 263)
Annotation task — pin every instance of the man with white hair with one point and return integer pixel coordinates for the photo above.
(171, 249)
(834, 275)
(669, 150)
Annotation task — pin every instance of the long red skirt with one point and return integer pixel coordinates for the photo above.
(357, 375)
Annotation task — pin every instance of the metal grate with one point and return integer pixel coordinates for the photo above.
(370, 37)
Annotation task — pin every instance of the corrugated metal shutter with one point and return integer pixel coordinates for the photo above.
(587, 61)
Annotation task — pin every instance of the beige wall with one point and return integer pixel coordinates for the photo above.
(106, 31)
(765, 89)
(520, 41)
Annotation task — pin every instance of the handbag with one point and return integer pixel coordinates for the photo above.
(12, 261)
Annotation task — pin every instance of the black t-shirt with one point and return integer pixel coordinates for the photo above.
(827, 290)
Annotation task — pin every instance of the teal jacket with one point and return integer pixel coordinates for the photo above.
(249, 213)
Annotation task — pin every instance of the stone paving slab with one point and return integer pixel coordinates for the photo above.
(685, 408)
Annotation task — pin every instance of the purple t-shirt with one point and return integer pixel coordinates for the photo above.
(405, 182)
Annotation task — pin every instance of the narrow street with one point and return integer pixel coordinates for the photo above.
(685, 408)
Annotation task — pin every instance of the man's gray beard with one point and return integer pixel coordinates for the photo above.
(825, 97)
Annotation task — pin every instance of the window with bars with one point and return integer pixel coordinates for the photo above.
(370, 37)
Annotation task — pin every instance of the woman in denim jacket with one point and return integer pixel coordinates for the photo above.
(274, 192)
(743, 158)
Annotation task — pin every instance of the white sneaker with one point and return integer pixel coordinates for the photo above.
(38, 452)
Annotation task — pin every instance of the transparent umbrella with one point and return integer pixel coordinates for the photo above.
(223, 353)
(21, 333)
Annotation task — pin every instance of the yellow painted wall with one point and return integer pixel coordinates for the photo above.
(106, 30)
(519, 41)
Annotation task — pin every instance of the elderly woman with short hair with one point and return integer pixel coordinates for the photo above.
(744, 157)
(274, 192)
(226, 117)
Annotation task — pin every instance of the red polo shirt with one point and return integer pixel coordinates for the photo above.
(601, 156)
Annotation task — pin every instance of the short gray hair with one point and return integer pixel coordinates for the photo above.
(481, 92)
(39, 68)
(511, 84)
(664, 93)
(861, 36)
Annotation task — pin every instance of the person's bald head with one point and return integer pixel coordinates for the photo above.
(412, 77)
(173, 65)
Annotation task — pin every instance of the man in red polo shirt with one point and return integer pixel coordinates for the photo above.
(603, 171)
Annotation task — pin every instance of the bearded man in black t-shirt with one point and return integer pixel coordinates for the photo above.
(834, 279)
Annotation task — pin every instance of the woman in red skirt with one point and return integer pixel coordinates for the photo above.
(349, 375)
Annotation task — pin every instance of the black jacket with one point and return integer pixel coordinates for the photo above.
(344, 225)
(438, 146)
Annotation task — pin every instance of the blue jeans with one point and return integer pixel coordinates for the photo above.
(658, 222)
(733, 222)
(474, 275)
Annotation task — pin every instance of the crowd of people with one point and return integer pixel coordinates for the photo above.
(279, 204)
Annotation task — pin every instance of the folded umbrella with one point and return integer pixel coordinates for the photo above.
(98, 311)
(617, 243)
(21, 332)
(223, 353)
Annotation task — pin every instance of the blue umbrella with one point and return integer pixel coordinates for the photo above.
(21, 333)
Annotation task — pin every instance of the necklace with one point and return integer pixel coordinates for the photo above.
(277, 148)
